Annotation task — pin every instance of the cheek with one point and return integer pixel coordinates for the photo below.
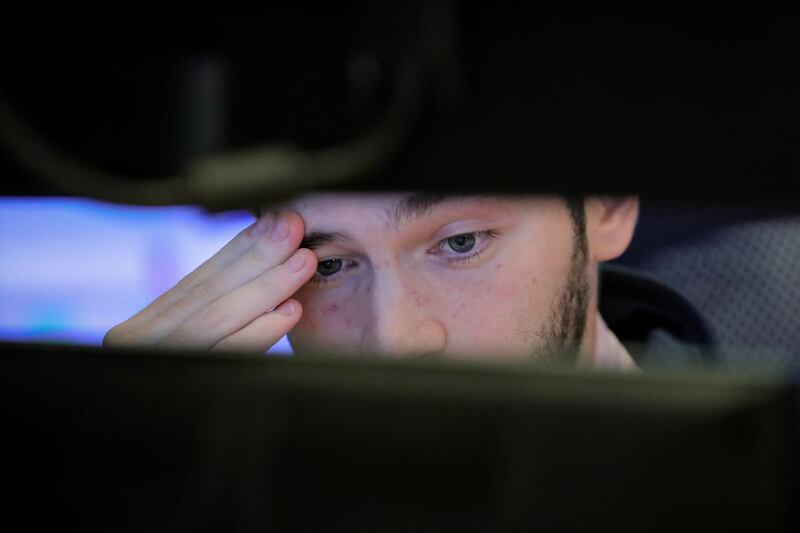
(484, 311)
(499, 283)
(329, 317)
(478, 302)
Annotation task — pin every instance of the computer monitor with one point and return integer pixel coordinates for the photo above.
(131, 440)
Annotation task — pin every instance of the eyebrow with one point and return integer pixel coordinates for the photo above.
(318, 239)
(417, 205)
(409, 208)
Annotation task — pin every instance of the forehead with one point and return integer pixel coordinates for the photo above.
(393, 209)
(326, 205)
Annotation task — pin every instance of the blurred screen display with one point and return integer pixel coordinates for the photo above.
(72, 268)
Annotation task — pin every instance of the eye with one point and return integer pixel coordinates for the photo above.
(462, 243)
(464, 247)
(329, 267)
(332, 270)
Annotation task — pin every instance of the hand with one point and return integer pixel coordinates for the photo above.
(227, 303)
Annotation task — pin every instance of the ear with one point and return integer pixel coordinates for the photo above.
(610, 222)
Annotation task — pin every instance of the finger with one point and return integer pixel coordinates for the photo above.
(269, 251)
(260, 334)
(236, 309)
(232, 250)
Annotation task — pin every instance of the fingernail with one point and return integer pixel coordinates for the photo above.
(297, 262)
(262, 225)
(286, 308)
(280, 231)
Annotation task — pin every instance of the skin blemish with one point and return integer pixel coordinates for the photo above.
(421, 300)
(461, 307)
(333, 308)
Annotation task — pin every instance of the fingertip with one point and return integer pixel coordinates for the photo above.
(296, 224)
(310, 255)
(288, 308)
(290, 311)
(302, 262)
(298, 311)
(313, 264)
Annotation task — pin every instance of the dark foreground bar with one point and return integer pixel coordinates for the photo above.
(131, 441)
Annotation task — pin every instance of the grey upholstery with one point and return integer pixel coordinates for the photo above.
(743, 276)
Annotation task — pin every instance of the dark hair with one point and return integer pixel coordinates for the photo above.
(577, 210)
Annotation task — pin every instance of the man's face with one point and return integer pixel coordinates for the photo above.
(405, 275)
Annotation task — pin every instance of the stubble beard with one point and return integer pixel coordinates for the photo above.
(562, 335)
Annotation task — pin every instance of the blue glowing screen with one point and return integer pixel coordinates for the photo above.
(71, 269)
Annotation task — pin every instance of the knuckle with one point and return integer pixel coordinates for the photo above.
(181, 337)
(210, 319)
(194, 333)
(269, 280)
(206, 291)
(180, 306)
(259, 253)
(189, 279)
(113, 336)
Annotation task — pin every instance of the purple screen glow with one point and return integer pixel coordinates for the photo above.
(73, 268)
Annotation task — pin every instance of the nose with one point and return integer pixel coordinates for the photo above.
(404, 323)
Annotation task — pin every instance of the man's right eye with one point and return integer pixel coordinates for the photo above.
(329, 267)
(333, 270)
